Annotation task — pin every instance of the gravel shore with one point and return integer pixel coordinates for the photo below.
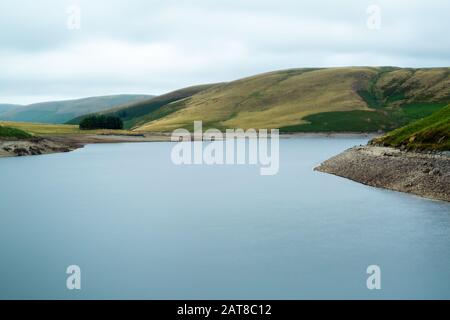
(426, 175)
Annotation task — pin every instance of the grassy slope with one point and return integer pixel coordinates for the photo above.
(133, 114)
(62, 111)
(334, 99)
(430, 133)
(8, 132)
(269, 100)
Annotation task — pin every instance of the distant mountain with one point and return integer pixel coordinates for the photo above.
(63, 111)
(7, 107)
(359, 99)
(140, 112)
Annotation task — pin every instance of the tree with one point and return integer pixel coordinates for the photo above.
(101, 122)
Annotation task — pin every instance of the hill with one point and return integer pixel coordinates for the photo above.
(63, 111)
(5, 107)
(430, 133)
(8, 132)
(358, 99)
(137, 113)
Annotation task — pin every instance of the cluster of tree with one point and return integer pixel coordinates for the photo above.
(101, 122)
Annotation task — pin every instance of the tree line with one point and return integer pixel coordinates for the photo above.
(101, 122)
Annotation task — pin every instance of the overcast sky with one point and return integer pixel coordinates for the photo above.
(155, 46)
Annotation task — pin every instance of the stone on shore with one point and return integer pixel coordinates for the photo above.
(426, 175)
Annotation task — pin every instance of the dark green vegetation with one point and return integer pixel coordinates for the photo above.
(365, 121)
(140, 112)
(430, 133)
(63, 111)
(101, 122)
(7, 132)
(351, 121)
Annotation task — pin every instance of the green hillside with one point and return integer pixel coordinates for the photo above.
(63, 111)
(299, 100)
(430, 133)
(136, 113)
(8, 132)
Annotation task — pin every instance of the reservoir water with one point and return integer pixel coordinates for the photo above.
(141, 227)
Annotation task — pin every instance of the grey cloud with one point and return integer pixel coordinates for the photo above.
(201, 41)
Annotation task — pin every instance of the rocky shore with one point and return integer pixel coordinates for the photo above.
(423, 174)
(66, 143)
(34, 146)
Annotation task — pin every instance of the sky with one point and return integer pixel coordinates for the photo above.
(63, 49)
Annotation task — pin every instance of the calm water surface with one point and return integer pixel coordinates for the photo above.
(140, 227)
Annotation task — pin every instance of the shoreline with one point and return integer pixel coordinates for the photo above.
(66, 143)
(421, 174)
(47, 144)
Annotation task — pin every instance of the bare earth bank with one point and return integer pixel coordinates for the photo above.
(426, 175)
(34, 146)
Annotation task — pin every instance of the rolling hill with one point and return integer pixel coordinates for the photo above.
(140, 112)
(310, 100)
(4, 107)
(63, 111)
